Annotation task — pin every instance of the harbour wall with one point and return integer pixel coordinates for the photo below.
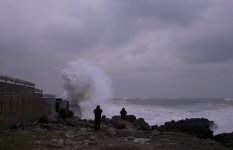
(21, 102)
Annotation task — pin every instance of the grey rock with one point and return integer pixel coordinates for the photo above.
(86, 142)
(92, 137)
(93, 143)
(111, 131)
(155, 133)
(131, 138)
(141, 140)
(54, 143)
(54, 140)
(37, 142)
(83, 131)
(68, 142)
(60, 141)
(123, 132)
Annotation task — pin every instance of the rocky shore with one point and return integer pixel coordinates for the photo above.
(133, 133)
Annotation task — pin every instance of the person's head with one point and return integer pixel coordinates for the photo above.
(123, 108)
(98, 106)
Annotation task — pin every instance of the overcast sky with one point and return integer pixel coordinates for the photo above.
(150, 48)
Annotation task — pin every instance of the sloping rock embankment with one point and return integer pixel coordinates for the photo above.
(74, 133)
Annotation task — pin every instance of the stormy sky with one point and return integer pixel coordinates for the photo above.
(150, 48)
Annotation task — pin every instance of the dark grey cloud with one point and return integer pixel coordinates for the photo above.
(208, 50)
(209, 40)
(181, 12)
(149, 47)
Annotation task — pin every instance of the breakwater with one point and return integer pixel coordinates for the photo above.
(20, 101)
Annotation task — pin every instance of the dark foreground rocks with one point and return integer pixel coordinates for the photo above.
(74, 133)
(131, 122)
(225, 138)
(198, 127)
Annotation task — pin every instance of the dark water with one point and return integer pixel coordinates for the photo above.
(160, 110)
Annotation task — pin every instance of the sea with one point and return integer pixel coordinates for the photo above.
(157, 111)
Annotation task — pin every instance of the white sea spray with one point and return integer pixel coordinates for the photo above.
(86, 85)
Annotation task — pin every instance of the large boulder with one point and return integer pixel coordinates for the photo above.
(48, 119)
(131, 118)
(111, 132)
(130, 123)
(225, 138)
(106, 122)
(141, 124)
(119, 123)
(199, 127)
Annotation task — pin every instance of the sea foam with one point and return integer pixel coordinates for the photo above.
(87, 86)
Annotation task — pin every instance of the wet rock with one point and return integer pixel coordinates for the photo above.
(225, 138)
(198, 127)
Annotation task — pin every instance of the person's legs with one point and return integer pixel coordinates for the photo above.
(98, 125)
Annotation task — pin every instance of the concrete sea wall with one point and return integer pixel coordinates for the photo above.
(21, 102)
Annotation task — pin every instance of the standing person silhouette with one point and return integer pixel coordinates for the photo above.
(97, 113)
(123, 113)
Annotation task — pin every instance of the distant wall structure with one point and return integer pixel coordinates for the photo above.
(20, 101)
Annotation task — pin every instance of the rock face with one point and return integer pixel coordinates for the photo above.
(225, 138)
(141, 124)
(198, 127)
(131, 118)
(118, 122)
(131, 122)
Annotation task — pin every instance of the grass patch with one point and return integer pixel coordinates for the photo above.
(24, 140)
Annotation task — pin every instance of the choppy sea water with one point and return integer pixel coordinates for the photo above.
(158, 111)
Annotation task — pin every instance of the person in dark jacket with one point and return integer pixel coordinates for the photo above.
(97, 113)
(123, 113)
